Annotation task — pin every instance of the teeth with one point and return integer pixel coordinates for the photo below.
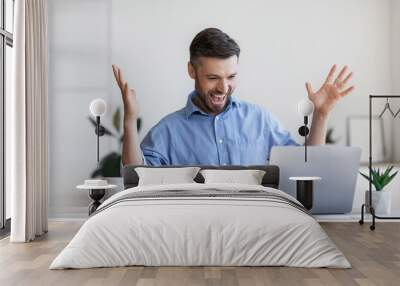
(217, 99)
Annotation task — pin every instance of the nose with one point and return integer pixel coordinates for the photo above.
(223, 86)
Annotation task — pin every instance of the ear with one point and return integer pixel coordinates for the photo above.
(191, 70)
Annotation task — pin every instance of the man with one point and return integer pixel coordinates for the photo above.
(214, 128)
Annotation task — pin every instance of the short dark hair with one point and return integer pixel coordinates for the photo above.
(213, 43)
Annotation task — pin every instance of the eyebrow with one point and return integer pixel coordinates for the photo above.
(215, 75)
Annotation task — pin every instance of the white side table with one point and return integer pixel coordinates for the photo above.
(304, 190)
(96, 193)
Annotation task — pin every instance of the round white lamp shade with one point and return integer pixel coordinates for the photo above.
(305, 107)
(98, 107)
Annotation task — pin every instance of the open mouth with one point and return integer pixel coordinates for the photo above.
(218, 99)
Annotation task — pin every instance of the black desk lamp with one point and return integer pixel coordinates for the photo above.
(305, 108)
(304, 185)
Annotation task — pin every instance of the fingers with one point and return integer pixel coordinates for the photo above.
(348, 77)
(126, 88)
(121, 78)
(115, 71)
(309, 88)
(343, 78)
(124, 91)
(339, 78)
(329, 78)
(347, 91)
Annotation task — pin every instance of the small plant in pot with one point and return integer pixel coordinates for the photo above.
(381, 198)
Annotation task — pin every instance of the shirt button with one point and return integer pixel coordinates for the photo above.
(216, 117)
(220, 141)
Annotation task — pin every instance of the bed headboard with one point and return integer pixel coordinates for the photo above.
(270, 179)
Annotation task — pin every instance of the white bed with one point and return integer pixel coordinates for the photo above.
(224, 225)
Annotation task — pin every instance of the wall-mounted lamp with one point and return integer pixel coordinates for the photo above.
(98, 108)
(305, 108)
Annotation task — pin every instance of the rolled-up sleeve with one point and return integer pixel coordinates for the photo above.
(152, 158)
(155, 147)
(278, 135)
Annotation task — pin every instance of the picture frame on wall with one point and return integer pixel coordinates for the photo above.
(358, 135)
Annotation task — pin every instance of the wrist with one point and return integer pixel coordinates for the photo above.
(320, 116)
(130, 121)
(130, 118)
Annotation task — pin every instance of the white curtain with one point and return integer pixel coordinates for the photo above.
(27, 122)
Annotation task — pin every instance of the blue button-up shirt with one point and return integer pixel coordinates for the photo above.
(241, 135)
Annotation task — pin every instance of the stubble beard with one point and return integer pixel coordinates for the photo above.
(202, 97)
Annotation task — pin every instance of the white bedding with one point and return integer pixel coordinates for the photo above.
(181, 231)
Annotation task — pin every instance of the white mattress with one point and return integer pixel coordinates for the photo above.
(183, 231)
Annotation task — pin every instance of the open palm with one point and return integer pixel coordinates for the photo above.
(331, 91)
(131, 106)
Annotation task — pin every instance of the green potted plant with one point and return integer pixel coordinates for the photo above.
(381, 197)
(329, 136)
(110, 165)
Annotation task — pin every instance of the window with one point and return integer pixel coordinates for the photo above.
(6, 44)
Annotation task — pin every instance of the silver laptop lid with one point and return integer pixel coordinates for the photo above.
(336, 165)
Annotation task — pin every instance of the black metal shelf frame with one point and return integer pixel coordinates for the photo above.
(364, 205)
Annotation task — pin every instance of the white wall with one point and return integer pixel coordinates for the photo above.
(79, 59)
(395, 61)
(284, 44)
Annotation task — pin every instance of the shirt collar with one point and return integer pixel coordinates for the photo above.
(191, 108)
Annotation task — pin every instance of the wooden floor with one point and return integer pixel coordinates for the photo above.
(375, 257)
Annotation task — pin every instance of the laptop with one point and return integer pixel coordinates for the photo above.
(336, 165)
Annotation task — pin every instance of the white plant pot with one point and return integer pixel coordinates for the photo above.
(381, 201)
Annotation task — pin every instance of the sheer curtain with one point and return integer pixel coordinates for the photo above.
(27, 123)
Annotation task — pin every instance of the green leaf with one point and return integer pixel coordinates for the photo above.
(374, 175)
(387, 171)
(117, 120)
(139, 124)
(384, 181)
(328, 137)
(106, 131)
(109, 166)
(365, 176)
(389, 179)
(378, 186)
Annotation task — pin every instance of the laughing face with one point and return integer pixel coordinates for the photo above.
(215, 81)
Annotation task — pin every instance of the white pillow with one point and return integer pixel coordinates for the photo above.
(162, 176)
(249, 177)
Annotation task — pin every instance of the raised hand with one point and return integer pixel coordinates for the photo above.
(331, 91)
(131, 106)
